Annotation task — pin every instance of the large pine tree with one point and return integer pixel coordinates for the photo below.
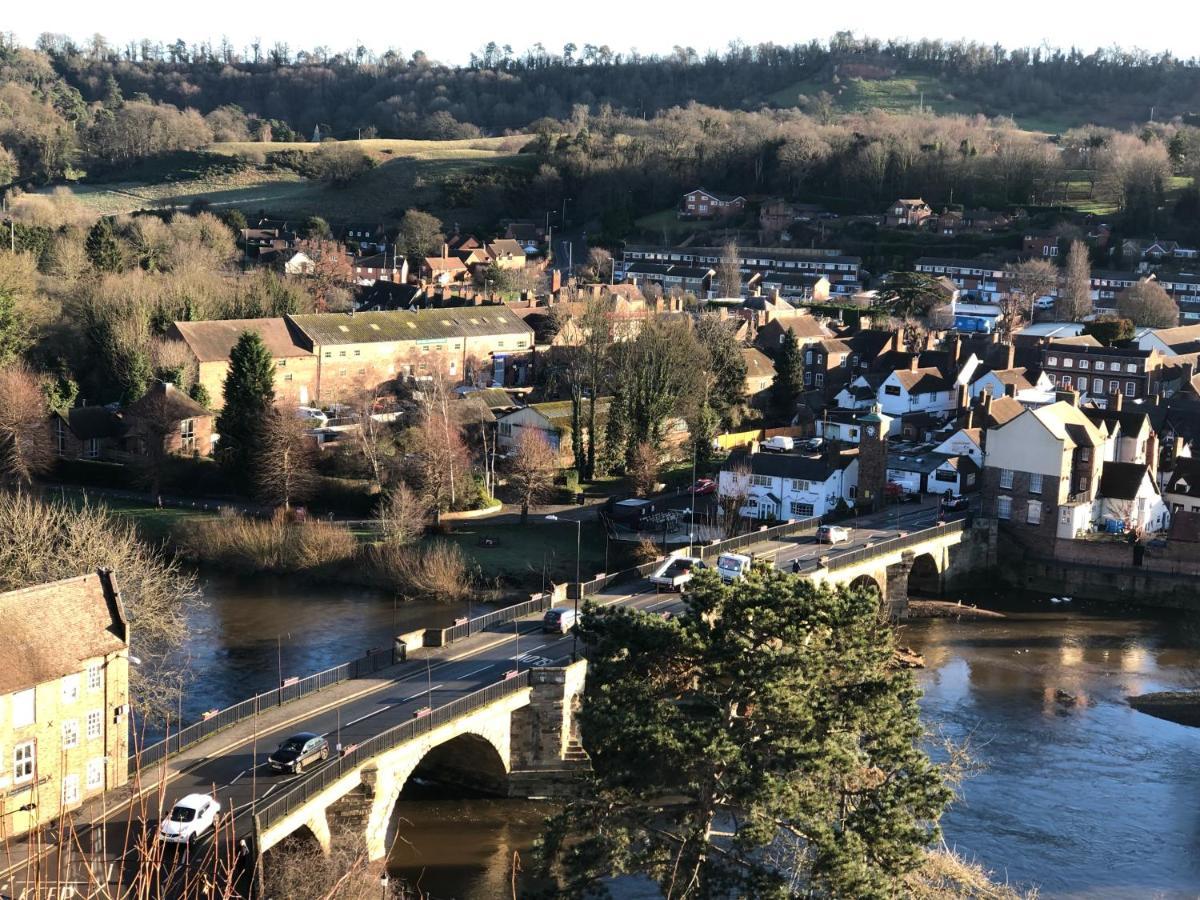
(249, 396)
(788, 384)
(763, 740)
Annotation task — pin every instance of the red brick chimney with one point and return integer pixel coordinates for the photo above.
(915, 362)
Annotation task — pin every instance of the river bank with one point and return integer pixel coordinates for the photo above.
(1181, 707)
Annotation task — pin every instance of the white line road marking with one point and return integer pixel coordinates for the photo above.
(269, 790)
(476, 672)
(428, 690)
(238, 775)
(525, 653)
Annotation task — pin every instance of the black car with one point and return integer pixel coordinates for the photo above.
(299, 751)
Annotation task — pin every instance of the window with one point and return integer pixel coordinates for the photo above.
(287, 377)
(506, 428)
(808, 356)
(343, 371)
(187, 435)
(1114, 387)
(1006, 478)
(761, 480)
(1099, 365)
(1098, 385)
(95, 724)
(362, 371)
(23, 708)
(95, 774)
(95, 677)
(891, 390)
(808, 377)
(328, 355)
(804, 510)
(1130, 388)
(1130, 367)
(1033, 513)
(1052, 360)
(1084, 481)
(1068, 362)
(70, 790)
(1083, 364)
(799, 484)
(23, 762)
(1066, 381)
(70, 733)
(1003, 507)
(60, 438)
(341, 353)
(70, 688)
(820, 379)
(1085, 454)
(91, 448)
(1035, 482)
(358, 353)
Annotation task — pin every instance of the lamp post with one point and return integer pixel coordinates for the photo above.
(578, 588)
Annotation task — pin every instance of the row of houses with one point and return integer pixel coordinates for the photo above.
(694, 268)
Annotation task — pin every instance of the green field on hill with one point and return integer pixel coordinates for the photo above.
(409, 173)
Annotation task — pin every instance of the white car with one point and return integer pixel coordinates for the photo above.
(832, 534)
(189, 819)
(312, 416)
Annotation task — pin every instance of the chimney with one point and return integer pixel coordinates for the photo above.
(964, 397)
(985, 404)
(1012, 355)
(445, 251)
(1189, 372)
(1010, 390)
(914, 362)
(994, 337)
(1116, 401)
(968, 421)
(955, 351)
(1065, 395)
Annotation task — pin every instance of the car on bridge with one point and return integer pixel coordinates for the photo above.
(676, 572)
(298, 751)
(832, 534)
(955, 504)
(189, 819)
(558, 620)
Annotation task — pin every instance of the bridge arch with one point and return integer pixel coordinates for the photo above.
(869, 582)
(925, 576)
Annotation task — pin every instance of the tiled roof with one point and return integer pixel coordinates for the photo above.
(403, 325)
(1185, 478)
(50, 630)
(922, 381)
(787, 465)
(212, 341)
(87, 422)
(1122, 480)
(165, 401)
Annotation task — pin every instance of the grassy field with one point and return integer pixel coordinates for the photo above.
(521, 552)
(153, 524)
(410, 173)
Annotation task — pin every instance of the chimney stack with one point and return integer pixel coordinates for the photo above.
(1116, 401)
(1010, 390)
(986, 404)
(1189, 372)
(1066, 395)
(445, 251)
(914, 363)
(1012, 355)
(955, 351)
(964, 397)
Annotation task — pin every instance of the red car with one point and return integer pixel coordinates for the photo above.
(703, 486)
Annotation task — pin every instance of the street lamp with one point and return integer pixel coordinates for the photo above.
(578, 585)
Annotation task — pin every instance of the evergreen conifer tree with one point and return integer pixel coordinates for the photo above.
(249, 396)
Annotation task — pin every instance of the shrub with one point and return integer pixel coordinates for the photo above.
(437, 569)
(280, 544)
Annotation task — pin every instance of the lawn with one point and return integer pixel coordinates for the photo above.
(152, 523)
(410, 173)
(521, 552)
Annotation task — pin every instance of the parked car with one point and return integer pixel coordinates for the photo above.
(703, 486)
(312, 416)
(778, 444)
(558, 620)
(298, 751)
(732, 566)
(1043, 303)
(832, 534)
(954, 504)
(814, 443)
(188, 819)
(676, 572)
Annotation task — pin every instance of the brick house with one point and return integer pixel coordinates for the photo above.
(1100, 371)
(907, 213)
(704, 204)
(65, 687)
(166, 416)
(383, 266)
(85, 432)
(1039, 245)
(210, 344)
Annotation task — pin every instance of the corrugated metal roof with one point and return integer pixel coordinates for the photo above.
(405, 325)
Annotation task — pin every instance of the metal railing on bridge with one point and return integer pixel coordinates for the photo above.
(283, 804)
(541, 603)
(288, 692)
(852, 557)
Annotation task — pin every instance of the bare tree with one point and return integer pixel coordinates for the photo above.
(531, 469)
(1075, 301)
(1028, 281)
(284, 467)
(374, 439)
(402, 514)
(729, 272)
(644, 469)
(330, 271)
(25, 444)
(440, 458)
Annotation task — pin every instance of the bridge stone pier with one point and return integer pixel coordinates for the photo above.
(521, 744)
(926, 562)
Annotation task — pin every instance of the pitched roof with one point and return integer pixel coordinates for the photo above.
(51, 629)
(165, 401)
(89, 422)
(506, 247)
(922, 381)
(758, 364)
(1182, 338)
(1122, 480)
(1185, 478)
(405, 325)
(212, 341)
(558, 412)
(1003, 409)
(1017, 377)
(445, 264)
(788, 465)
(1067, 423)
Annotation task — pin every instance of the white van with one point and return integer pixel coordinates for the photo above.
(779, 444)
(558, 620)
(732, 566)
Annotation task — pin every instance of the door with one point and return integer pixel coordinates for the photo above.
(304, 396)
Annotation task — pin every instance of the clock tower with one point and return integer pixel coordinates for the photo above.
(872, 459)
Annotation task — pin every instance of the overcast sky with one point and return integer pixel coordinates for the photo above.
(450, 31)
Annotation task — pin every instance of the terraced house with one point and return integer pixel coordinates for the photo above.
(358, 352)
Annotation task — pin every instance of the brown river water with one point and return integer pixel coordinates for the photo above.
(1078, 794)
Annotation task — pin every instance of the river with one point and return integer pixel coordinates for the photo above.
(1078, 794)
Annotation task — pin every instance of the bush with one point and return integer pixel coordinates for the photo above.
(90, 472)
(571, 480)
(436, 569)
(280, 544)
(352, 497)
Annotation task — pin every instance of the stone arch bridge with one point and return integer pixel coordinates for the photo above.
(513, 738)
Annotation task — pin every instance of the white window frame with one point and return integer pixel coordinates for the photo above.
(1004, 507)
(798, 509)
(1114, 387)
(95, 676)
(69, 688)
(24, 708)
(95, 724)
(1035, 482)
(1006, 479)
(95, 773)
(1099, 365)
(1098, 385)
(1130, 388)
(762, 480)
(24, 762)
(70, 790)
(70, 734)
(1131, 367)
(1033, 513)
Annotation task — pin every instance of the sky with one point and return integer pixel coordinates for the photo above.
(449, 33)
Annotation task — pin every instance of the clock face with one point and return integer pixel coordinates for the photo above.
(870, 431)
